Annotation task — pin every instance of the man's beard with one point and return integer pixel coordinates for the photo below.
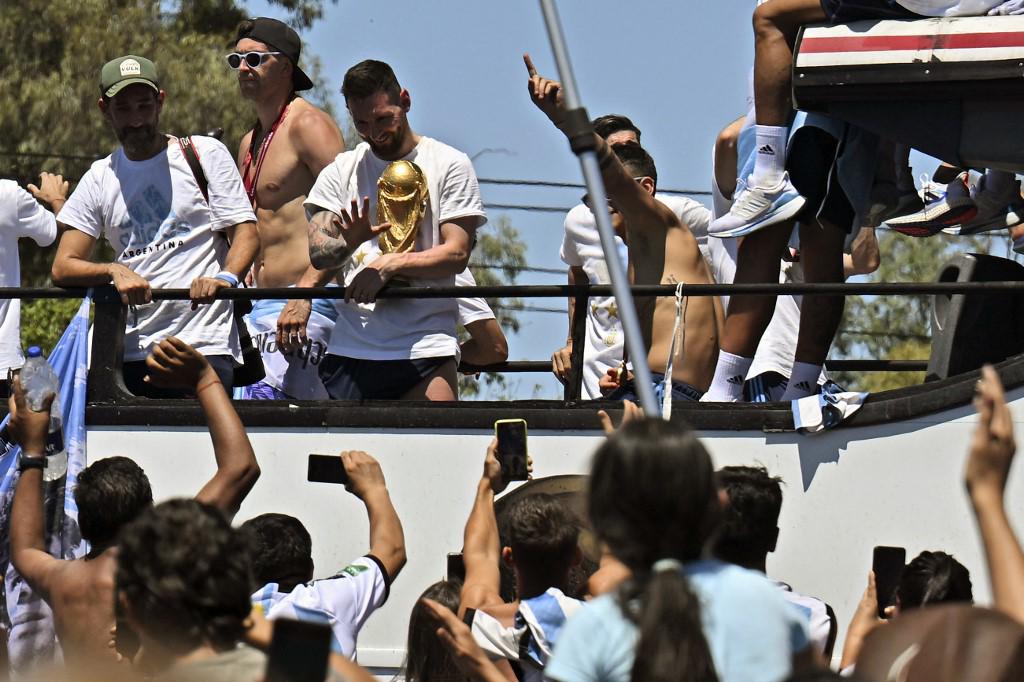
(390, 149)
(137, 139)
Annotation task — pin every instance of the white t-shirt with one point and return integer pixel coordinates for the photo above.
(399, 329)
(950, 8)
(20, 216)
(581, 247)
(159, 225)
(471, 309)
(343, 601)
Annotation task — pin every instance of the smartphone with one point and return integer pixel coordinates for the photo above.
(298, 651)
(326, 469)
(511, 453)
(456, 567)
(887, 563)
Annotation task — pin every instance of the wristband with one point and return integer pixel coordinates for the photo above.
(211, 382)
(228, 277)
(31, 462)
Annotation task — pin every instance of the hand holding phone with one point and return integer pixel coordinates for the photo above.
(887, 563)
(512, 451)
(326, 469)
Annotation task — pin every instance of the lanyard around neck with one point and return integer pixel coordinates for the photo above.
(251, 182)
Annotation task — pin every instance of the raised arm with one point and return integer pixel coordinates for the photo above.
(175, 364)
(481, 544)
(635, 202)
(28, 548)
(988, 467)
(366, 481)
(333, 237)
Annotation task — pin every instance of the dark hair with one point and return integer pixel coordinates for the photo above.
(110, 493)
(609, 124)
(543, 534)
(934, 578)
(426, 657)
(637, 161)
(184, 572)
(653, 496)
(282, 550)
(750, 523)
(369, 77)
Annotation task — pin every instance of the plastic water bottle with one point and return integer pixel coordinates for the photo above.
(38, 379)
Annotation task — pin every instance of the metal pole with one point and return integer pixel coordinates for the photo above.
(595, 187)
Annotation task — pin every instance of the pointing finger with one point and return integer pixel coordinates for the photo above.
(530, 68)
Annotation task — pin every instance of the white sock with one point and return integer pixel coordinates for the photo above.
(730, 373)
(803, 381)
(770, 159)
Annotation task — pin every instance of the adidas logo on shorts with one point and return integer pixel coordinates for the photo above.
(766, 149)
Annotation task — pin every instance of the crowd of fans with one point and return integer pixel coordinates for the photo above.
(175, 592)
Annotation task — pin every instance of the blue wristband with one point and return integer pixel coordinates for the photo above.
(227, 277)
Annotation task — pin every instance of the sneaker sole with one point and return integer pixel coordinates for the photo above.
(953, 218)
(789, 210)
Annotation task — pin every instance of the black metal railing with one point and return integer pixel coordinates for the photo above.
(106, 385)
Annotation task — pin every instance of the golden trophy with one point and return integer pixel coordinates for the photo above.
(402, 196)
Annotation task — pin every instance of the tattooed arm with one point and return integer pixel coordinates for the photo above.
(333, 238)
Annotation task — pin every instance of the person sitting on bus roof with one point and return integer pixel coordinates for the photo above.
(393, 348)
(183, 580)
(110, 493)
(282, 561)
(581, 250)
(542, 550)
(750, 531)
(768, 195)
(661, 251)
(22, 216)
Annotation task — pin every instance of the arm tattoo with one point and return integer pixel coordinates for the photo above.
(327, 248)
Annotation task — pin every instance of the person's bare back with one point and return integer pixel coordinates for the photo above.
(306, 140)
(82, 598)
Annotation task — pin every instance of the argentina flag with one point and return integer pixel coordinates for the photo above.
(25, 616)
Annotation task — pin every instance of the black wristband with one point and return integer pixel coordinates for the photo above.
(31, 462)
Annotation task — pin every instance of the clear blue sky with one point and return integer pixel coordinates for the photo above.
(680, 74)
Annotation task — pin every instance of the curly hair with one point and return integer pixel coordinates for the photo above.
(750, 524)
(281, 549)
(184, 572)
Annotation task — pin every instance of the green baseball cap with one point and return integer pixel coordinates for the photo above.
(117, 74)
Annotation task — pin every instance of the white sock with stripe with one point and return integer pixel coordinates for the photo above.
(803, 381)
(730, 373)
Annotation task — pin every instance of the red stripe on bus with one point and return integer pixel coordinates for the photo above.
(955, 41)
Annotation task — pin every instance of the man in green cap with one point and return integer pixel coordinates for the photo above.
(147, 202)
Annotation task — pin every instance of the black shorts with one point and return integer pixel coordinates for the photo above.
(355, 379)
(843, 11)
(813, 169)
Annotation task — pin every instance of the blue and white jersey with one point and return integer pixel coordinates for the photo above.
(344, 601)
(532, 637)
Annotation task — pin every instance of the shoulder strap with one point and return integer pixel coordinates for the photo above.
(191, 155)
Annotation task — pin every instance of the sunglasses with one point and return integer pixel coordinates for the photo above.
(253, 59)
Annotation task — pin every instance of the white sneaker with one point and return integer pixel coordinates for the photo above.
(944, 206)
(755, 208)
(996, 211)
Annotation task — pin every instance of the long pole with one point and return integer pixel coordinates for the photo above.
(583, 147)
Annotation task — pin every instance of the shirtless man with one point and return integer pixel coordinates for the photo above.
(661, 251)
(279, 161)
(110, 493)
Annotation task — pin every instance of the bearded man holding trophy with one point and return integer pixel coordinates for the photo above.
(400, 207)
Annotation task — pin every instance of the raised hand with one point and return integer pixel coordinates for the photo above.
(28, 427)
(992, 446)
(356, 224)
(52, 189)
(174, 364)
(545, 93)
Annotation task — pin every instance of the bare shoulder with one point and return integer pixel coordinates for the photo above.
(503, 613)
(309, 120)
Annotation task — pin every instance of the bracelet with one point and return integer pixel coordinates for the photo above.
(31, 462)
(228, 277)
(211, 382)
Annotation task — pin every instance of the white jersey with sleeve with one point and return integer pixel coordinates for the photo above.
(821, 619)
(343, 601)
(20, 216)
(470, 309)
(160, 226)
(399, 329)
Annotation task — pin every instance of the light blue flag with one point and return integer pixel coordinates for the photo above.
(24, 614)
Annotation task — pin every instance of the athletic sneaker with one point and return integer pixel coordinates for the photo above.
(996, 211)
(758, 207)
(888, 202)
(944, 206)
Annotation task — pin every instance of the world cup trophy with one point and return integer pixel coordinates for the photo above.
(402, 196)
